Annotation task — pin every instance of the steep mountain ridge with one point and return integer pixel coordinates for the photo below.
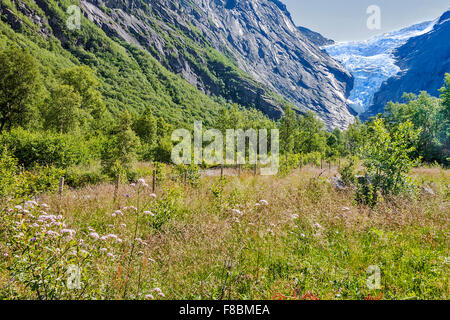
(257, 36)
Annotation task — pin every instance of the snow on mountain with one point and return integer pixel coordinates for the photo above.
(372, 62)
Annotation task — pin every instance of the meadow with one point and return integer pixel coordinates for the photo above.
(291, 236)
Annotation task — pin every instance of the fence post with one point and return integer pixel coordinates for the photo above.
(239, 170)
(116, 187)
(221, 171)
(154, 181)
(255, 169)
(61, 187)
(185, 178)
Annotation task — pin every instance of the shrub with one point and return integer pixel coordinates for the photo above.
(16, 184)
(386, 156)
(348, 170)
(78, 177)
(46, 148)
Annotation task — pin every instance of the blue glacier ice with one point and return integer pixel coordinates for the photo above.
(372, 62)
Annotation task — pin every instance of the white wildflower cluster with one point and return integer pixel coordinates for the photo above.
(141, 182)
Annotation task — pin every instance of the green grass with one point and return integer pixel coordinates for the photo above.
(309, 241)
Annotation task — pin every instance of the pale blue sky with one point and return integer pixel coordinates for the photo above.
(344, 20)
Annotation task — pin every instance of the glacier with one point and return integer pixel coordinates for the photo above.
(371, 62)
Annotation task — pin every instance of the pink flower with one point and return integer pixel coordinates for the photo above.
(69, 231)
(149, 213)
(94, 235)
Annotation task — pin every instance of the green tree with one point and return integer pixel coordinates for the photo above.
(146, 127)
(86, 84)
(335, 144)
(20, 87)
(424, 112)
(444, 130)
(288, 126)
(354, 136)
(311, 137)
(120, 152)
(64, 113)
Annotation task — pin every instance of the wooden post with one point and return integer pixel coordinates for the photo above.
(255, 169)
(60, 192)
(154, 181)
(61, 187)
(239, 170)
(185, 178)
(221, 171)
(116, 188)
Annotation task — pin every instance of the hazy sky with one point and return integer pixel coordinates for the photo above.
(344, 20)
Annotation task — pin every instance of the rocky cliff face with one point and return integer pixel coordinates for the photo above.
(316, 37)
(423, 61)
(269, 56)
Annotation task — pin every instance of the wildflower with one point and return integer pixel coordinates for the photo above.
(294, 216)
(236, 220)
(152, 195)
(103, 250)
(264, 202)
(317, 225)
(18, 207)
(345, 209)
(59, 217)
(141, 181)
(149, 297)
(118, 212)
(44, 205)
(151, 260)
(110, 255)
(71, 232)
(5, 254)
(124, 225)
(52, 233)
(127, 195)
(84, 252)
(133, 184)
(94, 235)
(302, 235)
(91, 229)
(140, 253)
(149, 213)
(159, 291)
(236, 211)
(133, 208)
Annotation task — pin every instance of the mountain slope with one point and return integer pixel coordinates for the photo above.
(247, 52)
(268, 54)
(372, 62)
(423, 61)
